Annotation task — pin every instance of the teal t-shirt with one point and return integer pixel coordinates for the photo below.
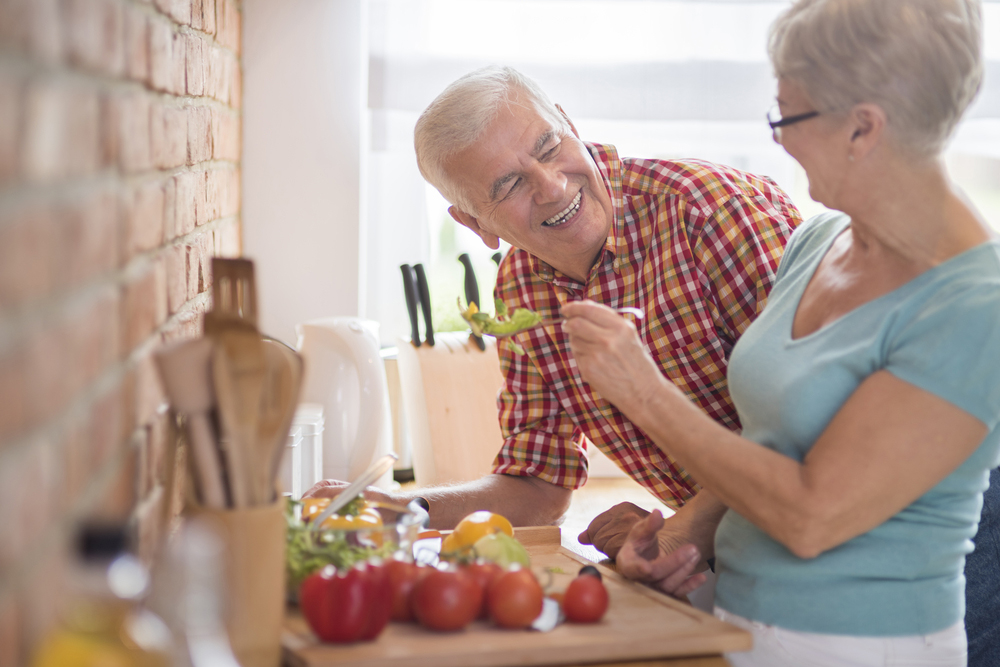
(939, 332)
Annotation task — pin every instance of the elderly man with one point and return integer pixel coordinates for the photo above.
(694, 245)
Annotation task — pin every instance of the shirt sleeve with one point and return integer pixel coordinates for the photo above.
(540, 439)
(951, 348)
(737, 251)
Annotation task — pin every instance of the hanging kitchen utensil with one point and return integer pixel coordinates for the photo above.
(238, 369)
(282, 381)
(185, 371)
(425, 303)
(472, 293)
(374, 471)
(497, 257)
(410, 291)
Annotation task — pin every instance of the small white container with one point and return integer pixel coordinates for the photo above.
(291, 464)
(309, 419)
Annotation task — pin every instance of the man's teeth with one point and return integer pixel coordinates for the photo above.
(566, 214)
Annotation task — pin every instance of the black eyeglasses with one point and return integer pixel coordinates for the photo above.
(776, 122)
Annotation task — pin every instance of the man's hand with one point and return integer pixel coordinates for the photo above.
(331, 488)
(609, 529)
(655, 554)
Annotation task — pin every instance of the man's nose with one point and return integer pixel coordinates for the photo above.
(550, 184)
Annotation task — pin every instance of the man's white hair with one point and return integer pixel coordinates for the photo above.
(460, 115)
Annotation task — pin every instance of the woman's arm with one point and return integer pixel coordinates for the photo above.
(888, 445)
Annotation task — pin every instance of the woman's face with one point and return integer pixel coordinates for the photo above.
(816, 143)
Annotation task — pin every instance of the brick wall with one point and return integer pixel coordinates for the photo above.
(119, 179)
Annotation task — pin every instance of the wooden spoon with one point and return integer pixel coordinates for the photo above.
(278, 401)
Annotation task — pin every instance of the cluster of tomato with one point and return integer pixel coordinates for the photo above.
(357, 604)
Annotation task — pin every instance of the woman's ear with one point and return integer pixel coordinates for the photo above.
(868, 123)
(463, 218)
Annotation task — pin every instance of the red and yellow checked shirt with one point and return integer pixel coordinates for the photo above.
(694, 245)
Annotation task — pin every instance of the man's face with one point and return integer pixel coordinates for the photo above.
(534, 184)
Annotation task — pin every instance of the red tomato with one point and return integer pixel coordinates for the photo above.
(403, 575)
(585, 600)
(515, 599)
(446, 600)
(484, 572)
(349, 606)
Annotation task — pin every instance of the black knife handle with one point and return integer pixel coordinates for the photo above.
(497, 257)
(425, 303)
(472, 293)
(471, 286)
(410, 290)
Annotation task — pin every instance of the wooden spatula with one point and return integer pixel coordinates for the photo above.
(238, 370)
(280, 397)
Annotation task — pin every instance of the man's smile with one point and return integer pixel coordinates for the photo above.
(565, 214)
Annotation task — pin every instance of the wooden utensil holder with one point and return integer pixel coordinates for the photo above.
(254, 540)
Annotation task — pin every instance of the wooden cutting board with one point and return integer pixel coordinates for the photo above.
(639, 624)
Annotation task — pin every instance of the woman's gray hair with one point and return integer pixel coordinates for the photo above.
(459, 116)
(919, 60)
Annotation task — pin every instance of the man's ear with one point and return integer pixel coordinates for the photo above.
(463, 218)
(566, 118)
(868, 123)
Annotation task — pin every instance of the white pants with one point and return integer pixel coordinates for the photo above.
(778, 647)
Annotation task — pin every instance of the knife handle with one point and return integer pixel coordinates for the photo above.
(425, 303)
(471, 286)
(497, 257)
(410, 291)
(472, 293)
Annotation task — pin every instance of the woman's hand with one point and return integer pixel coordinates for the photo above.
(652, 553)
(609, 354)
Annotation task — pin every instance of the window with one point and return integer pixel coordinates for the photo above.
(654, 78)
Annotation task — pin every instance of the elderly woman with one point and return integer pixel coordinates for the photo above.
(868, 388)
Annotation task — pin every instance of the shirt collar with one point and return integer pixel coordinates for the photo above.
(610, 167)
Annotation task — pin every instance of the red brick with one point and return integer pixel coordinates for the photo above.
(169, 209)
(144, 304)
(92, 337)
(62, 132)
(149, 396)
(184, 202)
(195, 64)
(136, 43)
(48, 387)
(28, 258)
(206, 250)
(28, 492)
(227, 24)
(213, 193)
(178, 65)
(184, 326)
(43, 594)
(143, 218)
(32, 27)
(111, 418)
(201, 211)
(11, 95)
(176, 264)
(231, 200)
(225, 135)
(94, 35)
(195, 279)
(178, 10)
(168, 128)
(86, 238)
(161, 55)
(135, 146)
(208, 16)
(110, 148)
(199, 134)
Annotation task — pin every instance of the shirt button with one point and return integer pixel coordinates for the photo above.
(616, 264)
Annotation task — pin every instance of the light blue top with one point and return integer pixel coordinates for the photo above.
(940, 332)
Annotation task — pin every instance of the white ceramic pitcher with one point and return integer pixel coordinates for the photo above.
(345, 374)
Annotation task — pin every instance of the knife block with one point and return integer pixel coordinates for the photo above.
(449, 397)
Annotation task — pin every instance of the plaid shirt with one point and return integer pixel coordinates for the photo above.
(696, 247)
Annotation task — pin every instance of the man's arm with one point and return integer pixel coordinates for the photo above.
(525, 501)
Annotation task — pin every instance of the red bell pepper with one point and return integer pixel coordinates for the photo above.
(349, 606)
